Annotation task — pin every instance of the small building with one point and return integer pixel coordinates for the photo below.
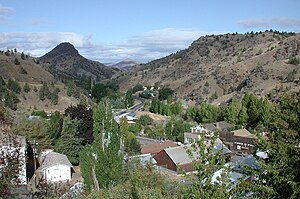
(239, 140)
(56, 167)
(175, 159)
(156, 147)
(218, 126)
(131, 117)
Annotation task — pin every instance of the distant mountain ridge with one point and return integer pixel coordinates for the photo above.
(218, 65)
(66, 60)
(126, 64)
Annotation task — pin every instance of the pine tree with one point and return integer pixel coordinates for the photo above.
(69, 143)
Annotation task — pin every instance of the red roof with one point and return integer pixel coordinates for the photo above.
(155, 148)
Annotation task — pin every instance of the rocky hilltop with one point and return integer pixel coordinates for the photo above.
(223, 64)
(64, 59)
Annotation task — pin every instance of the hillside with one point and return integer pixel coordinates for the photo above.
(126, 64)
(29, 70)
(222, 64)
(65, 60)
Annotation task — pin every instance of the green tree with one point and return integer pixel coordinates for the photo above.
(44, 92)
(129, 101)
(13, 86)
(55, 126)
(26, 87)
(69, 143)
(105, 166)
(16, 61)
(145, 120)
(231, 112)
(164, 93)
(206, 161)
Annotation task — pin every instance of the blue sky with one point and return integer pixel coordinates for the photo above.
(110, 31)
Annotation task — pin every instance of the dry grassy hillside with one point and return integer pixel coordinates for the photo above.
(224, 64)
(28, 71)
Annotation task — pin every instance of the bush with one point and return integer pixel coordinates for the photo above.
(294, 60)
(26, 88)
(13, 86)
(16, 61)
(41, 114)
(145, 120)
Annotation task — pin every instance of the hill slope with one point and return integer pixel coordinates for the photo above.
(224, 64)
(126, 64)
(64, 59)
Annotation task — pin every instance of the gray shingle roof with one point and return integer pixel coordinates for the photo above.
(54, 158)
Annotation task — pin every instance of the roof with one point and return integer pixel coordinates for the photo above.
(54, 158)
(157, 147)
(179, 155)
(220, 146)
(210, 126)
(243, 133)
(223, 125)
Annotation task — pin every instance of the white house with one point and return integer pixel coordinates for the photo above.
(56, 167)
(131, 117)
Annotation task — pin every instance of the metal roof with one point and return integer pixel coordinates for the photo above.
(54, 158)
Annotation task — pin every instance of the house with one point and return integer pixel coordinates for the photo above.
(195, 134)
(13, 146)
(131, 117)
(143, 159)
(156, 147)
(178, 158)
(175, 159)
(55, 167)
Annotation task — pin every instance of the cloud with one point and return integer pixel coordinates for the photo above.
(271, 23)
(4, 11)
(143, 47)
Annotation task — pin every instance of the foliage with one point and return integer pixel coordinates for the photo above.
(164, 93)
(41, 114)
(137, 88)
(165, 107)
(34, 129)
(279, 176)
(204, 113)
(16, 61)
(291, 76)
(104, 166)
(140, 182)
(176, 128)
(85, 116)
(69, 143)
(55, 126)
(100, 91)
(44, 92)
(206, 161)
(13, 86)
(145, 94)
(26, 88)
(145, 120)
(131, 145)
(129, 101)
(11, 163)
(294, 60)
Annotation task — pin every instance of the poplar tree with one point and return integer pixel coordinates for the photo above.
(104, 165)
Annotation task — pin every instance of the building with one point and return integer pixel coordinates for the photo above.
(131, 117)
(218, 126)
(55, 167)
(156, 147)
(178, 158)
(239, 140)
(14, 146)
(175, 159)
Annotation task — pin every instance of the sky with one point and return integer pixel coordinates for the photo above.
(113, 30)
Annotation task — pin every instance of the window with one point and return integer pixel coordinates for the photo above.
(238, 147)
(48, 171)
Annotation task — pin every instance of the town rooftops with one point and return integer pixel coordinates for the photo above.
(179, 155)
(218, 126)
(243, 133)
(54, 158)
(154, 148)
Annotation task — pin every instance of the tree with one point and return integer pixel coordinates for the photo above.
(207, 161)
(44, 92)
(129, 101)
(16, 61)
(137, 88)
(69, 143)
(55, 126)
(85, 116)
(23, 56)
(13, 86)
(231, 112)
(105, 164)
(164, 93)
(26, 87)
(145, 120)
